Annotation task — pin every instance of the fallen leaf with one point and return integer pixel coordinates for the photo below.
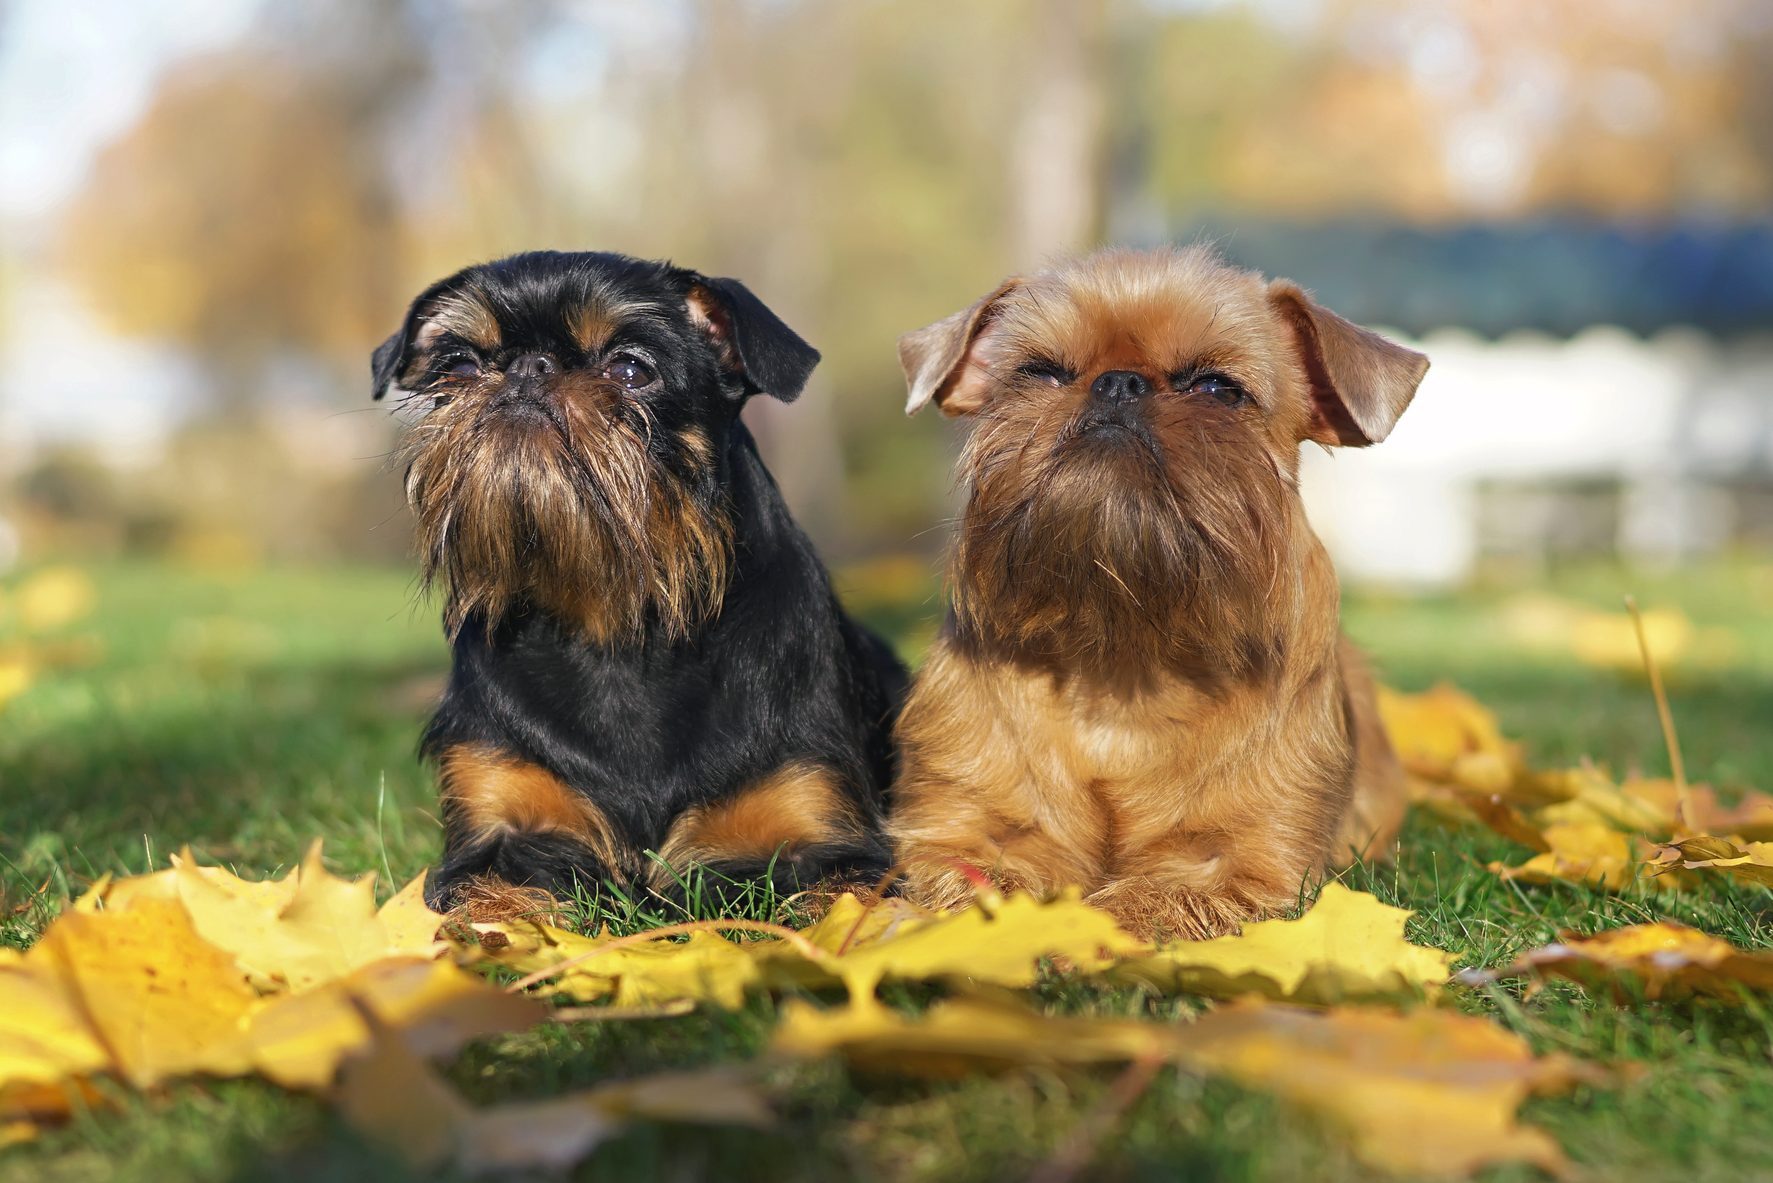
(1446, 735)
(1428, 1092)
(1657, 960)
(292, 933)
(298, 1040)
(851, 923)
(53, 598)
(1751, 817)
(16, 675)
(160, 999)
(702, 967)
(1348, 946)
(1749, 861)
(391, 1095)
(997, 941)
(45, 1041)
(960, 1035)
(1588, 853)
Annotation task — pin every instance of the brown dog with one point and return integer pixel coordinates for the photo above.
(1143, 687)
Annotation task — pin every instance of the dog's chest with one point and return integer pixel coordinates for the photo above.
(1127, 752)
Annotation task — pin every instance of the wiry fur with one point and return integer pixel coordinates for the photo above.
(590, 513)
(1142, 688)
(650, 668)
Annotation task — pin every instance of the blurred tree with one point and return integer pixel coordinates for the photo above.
(249, 215)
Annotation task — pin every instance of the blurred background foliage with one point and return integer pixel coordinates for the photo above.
(214, 209)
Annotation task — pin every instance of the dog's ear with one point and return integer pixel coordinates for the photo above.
(950, 362)
(391, 357)
(752, 341)
(1360, 382)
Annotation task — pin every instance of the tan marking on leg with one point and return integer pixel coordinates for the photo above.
(797, 806)
(487, 791)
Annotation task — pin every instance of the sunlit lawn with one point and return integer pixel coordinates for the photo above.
(246, 714)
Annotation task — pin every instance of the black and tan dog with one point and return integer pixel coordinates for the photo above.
(650, 667)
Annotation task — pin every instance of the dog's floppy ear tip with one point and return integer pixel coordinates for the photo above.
(750, 338)
(1359, 382)
(384, 363)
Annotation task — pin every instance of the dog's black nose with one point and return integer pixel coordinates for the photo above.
(1119, 386)
(530, 365)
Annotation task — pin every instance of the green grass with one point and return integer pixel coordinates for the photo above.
(247, 714)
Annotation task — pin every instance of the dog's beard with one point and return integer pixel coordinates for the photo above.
(1116, 556)
(569, 514)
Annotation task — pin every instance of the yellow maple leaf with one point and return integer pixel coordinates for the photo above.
(1446, 735)
(1586, 852)
(1423, 1093)
(299, 1039)
(293, 933)
(1750, 861)
(160, 999)
(850, 923)
(389, 1094)
(997, 941)
(1662, 959)
(45, 1040)
(1349, 945)
(1751, 816)
(961, 1035)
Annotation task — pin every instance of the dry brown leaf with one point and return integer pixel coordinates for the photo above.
(1427, 1092)
(1348, 946)
(1749, 861)
(392, 1096)
(1658, 960)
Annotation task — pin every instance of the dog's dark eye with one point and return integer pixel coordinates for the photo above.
(1217, 387)
(630, 372)
(1042, 370)
(461, 367)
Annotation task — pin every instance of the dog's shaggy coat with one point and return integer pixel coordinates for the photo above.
(1143, 687)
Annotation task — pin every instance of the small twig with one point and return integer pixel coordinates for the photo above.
(1683, 810)
(886, 881)
(1096, 1125)
(670, 930)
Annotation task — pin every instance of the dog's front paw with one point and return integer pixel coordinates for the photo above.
(1156, 910)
